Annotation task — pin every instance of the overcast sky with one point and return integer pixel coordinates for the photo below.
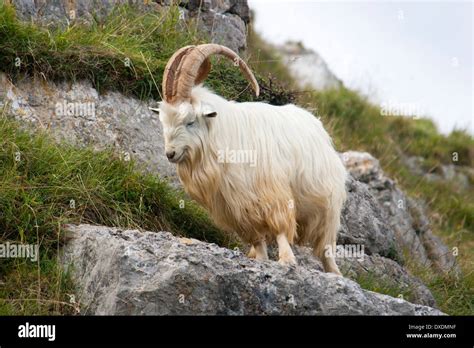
(406, 52)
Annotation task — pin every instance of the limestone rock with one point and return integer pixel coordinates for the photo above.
(405, 216)
(146, 273)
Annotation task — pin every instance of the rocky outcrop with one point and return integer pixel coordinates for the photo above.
(223, 20)
(146, 273)
(363, 223)
(307, 67)
(76, 113)
(405, 217)
(376, 269)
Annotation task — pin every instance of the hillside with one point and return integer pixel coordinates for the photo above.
(108, 168)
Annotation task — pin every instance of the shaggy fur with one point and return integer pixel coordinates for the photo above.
(294, 192)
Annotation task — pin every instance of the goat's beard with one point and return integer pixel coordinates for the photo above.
(198, 156)
(199, 173)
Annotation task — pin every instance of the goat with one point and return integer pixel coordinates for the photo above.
(293, 190)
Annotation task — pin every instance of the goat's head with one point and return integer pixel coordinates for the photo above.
(185, 120)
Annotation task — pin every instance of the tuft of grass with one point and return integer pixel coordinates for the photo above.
(370, 281)
(421, 138)
(453, 292)
(45, 185)
(36, 288)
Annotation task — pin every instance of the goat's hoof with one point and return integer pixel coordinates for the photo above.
(336, 272)
(287, 261)
(252, 253)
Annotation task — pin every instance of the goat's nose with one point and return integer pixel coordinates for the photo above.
(170, 154)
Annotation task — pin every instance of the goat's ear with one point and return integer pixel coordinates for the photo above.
(211, 114)
(208, 111)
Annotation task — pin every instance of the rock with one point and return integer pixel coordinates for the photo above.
(58, 13)
(108, 120)
(415, 164)
(405, 216)
(307, 67)
(387, 273)
(225, 29)
(440, 255)
(363, 222)
(223, 20)
(237, 7)
(363, 166)
(195, 5)
(146, 273)
(375, 268)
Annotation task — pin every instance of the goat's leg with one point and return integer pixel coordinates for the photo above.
(285, 254)
(325, 246)
(252, 253)
(258, 251)
(327, 258)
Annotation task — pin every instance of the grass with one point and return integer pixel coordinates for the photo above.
(453, 294)
(127, 51)
(372, 282)
(453, 291)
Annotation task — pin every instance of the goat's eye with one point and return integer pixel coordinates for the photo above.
(189, 124)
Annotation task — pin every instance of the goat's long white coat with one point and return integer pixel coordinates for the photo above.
(297, 186)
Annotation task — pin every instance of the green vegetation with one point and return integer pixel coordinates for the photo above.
(372, 282)
(127, 51)
(36, 191)
(454, 293)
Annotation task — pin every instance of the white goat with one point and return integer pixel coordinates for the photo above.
(294, 189)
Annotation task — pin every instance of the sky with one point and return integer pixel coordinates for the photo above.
(405, 54)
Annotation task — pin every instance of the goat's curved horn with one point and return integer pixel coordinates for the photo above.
(190, 66)
(171, 72)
